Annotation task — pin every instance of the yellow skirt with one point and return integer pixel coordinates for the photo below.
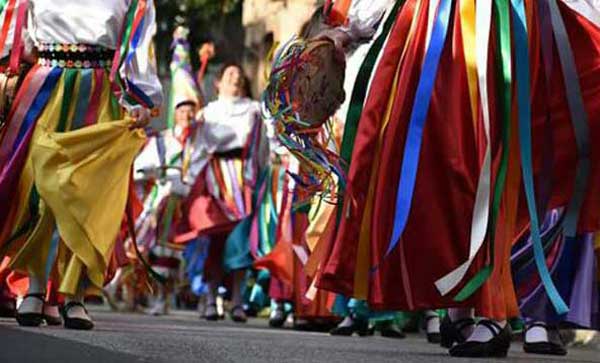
(74, 179)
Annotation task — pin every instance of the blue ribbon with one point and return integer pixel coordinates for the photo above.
(85, 90)
(38, 104)
(523, 99)
(414, 138)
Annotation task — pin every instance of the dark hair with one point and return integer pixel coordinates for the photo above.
(247, 88)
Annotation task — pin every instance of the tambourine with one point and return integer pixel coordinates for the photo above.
(306, 84)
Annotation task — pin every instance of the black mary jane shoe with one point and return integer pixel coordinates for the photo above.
(238, 314)
(497, 347)
(75, 323)
(278, 318)
(389, 330)
(451, 331)
(214, 316)
(52, 320)
(31, 319)
(433, 338)
(554, 345)
(358, 326)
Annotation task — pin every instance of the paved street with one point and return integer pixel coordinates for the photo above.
(182, 337)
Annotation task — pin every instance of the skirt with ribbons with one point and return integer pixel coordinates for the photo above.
(65, 164)
(420, 175)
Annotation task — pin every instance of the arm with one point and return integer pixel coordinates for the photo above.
(363, 19)
(143, 90)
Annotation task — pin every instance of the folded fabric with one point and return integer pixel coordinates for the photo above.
(83, 177)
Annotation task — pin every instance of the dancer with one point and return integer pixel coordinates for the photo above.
(229, 153)
(443, 225)
(70, 141)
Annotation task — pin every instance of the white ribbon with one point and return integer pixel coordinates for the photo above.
(479, 222)
(433, 5)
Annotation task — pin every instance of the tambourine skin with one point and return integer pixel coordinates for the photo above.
(318, 88)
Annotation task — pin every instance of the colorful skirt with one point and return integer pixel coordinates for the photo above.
(444, 149)
(66, 156)
(574, 267)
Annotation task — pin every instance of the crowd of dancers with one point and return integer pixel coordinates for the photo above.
(456, 190)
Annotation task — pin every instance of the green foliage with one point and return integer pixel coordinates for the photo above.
(207, 19)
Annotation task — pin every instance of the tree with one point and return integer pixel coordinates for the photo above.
(215, 20)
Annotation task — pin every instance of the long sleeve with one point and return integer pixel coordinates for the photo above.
(138, 71)
(363, 18)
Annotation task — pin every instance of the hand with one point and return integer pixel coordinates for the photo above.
(141, 117)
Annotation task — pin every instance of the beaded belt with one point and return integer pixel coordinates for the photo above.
(74, 56)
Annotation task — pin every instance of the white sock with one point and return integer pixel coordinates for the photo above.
(52, 311)
(536, 334)
(33, 304)
(432, 325)
(76, 311)
(348, 321)
(483, 334)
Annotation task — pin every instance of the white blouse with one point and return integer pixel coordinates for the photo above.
(94, 22)
(364, 16)
(226, 125)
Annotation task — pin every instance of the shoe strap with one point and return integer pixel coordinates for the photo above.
(537, 325)
(463, 323)
(236, 308)
(492, 326)
(40, 296)
(429, 317)
(71, 304)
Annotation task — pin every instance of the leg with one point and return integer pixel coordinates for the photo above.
(237, 312)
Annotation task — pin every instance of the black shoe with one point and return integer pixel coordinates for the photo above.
(7, 308)
(433, 338)
(497, 347)
(52, 320)
(554, 345)
(451, 332)
(358, 326)
(389, 330)
(31, 319)
(238, 314)
(277, 319)
(76, 323)
(213, 316)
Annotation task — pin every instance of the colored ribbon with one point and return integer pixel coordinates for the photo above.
(479, 222)
(8, 15)
(525, 137)
(414, 139)
(579, 119)
(17, 47)
(83, 99)
(505, 60)
(359, 93)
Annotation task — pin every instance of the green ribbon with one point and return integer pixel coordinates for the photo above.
(3, 5)
(69, 89)
(359, 93)
(504, 71)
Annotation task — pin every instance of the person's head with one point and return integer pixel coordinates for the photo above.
(184, 113)
(231, 81)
